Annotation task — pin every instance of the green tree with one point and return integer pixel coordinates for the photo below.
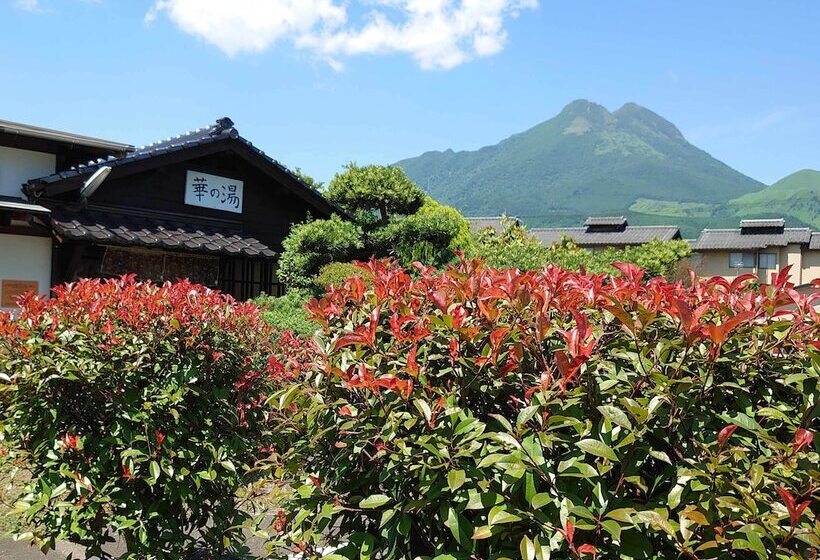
(378, 190)
(313, 244)
(513, 247)
(308, 180)
(431, 236)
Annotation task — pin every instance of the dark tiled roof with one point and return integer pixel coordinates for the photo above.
(717, 239)
(630, 235)
(31, 131)
(606, 221)
(814, 243)
(769, 223)
(496, 223)
(169, 233)
(222, 130)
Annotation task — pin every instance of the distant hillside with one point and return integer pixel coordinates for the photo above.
(584, 161)
(797, 195)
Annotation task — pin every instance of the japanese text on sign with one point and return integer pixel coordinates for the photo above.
(213, 191)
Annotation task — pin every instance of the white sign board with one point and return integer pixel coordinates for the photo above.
(213, 191)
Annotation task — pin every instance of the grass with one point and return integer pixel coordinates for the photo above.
(672, 208)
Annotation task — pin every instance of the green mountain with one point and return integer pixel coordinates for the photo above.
(584, 161)
(797, 195)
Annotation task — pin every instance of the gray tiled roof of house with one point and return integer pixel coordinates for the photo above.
(496, 223)
(106, 226)
(767, 223)
(717, 239)
(630, 235)
(606, 221)
(814, 242)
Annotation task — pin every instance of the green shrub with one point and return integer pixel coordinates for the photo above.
(313, 244)
(334, 274)
(513, 247)
(492, 414)
(134, 410)
(287, 312)
(431, 236)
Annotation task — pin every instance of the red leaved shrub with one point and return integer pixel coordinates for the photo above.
(135, 408)
(482, 413)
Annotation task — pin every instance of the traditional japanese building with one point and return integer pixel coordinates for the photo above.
(603, 232)
(206, 205)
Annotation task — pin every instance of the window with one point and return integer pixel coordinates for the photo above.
(767, 261)
(741, 260)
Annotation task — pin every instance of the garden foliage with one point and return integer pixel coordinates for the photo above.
(313, 244)
(287, 312)
(514, 247)
(484, 413)
(387, 215)
(134, 409)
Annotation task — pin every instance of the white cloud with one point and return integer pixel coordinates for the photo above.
(438, 34)
(29, 5)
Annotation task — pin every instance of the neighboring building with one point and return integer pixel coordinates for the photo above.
(206, 205)
(601, 232)
(495, 223)
(760, 247)
(25, 228)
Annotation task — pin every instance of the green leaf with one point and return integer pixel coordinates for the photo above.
(374, 501)
(527, 548)
(461, 529)
(483, 532)
(456, 479)
(616, 416)
(499, 516)
(540, 500)
(154, 469)
(598, 448)
(673, 500)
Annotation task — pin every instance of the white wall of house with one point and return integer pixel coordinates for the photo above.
(18, 166)
(26, 258)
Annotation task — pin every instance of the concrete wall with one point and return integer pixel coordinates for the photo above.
(28, 258)
(805, 264)
(811, 266)
(18, 166)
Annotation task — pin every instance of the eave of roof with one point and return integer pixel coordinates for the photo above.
(23, 206)
(31, 131)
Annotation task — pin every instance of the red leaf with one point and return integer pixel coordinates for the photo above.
(795, 510)
(588, 549)
(802, 438)
(725, 434)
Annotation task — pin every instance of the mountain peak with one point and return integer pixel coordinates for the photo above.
(584, 161)
(583, 107)
(632, 113)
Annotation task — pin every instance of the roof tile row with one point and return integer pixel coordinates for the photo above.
(129, 230)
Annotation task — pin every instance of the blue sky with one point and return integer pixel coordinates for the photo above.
(317, 83)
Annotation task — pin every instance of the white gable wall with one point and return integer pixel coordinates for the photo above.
(18, 166)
